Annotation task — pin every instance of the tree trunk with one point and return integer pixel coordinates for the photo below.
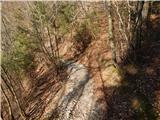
(110, 31)
(11, 117)
(12, 90)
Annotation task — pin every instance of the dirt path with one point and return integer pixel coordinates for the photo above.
(74, 99)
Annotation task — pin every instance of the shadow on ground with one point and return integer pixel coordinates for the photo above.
(139, 97)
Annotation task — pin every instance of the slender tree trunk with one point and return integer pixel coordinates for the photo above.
(50, 40)
(12, 90)
(110, 31)
(11, 117)
(7, 32)
(139, 25)
(148, 23)
(122, 24)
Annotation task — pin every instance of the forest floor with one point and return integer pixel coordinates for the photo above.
(140, 98)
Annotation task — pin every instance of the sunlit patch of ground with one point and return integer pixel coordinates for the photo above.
(111, 77)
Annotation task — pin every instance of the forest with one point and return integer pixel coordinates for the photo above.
(80, 60)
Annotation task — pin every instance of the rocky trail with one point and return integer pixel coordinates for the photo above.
(75, 100)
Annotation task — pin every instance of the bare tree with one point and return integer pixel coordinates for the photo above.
(129, 19)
